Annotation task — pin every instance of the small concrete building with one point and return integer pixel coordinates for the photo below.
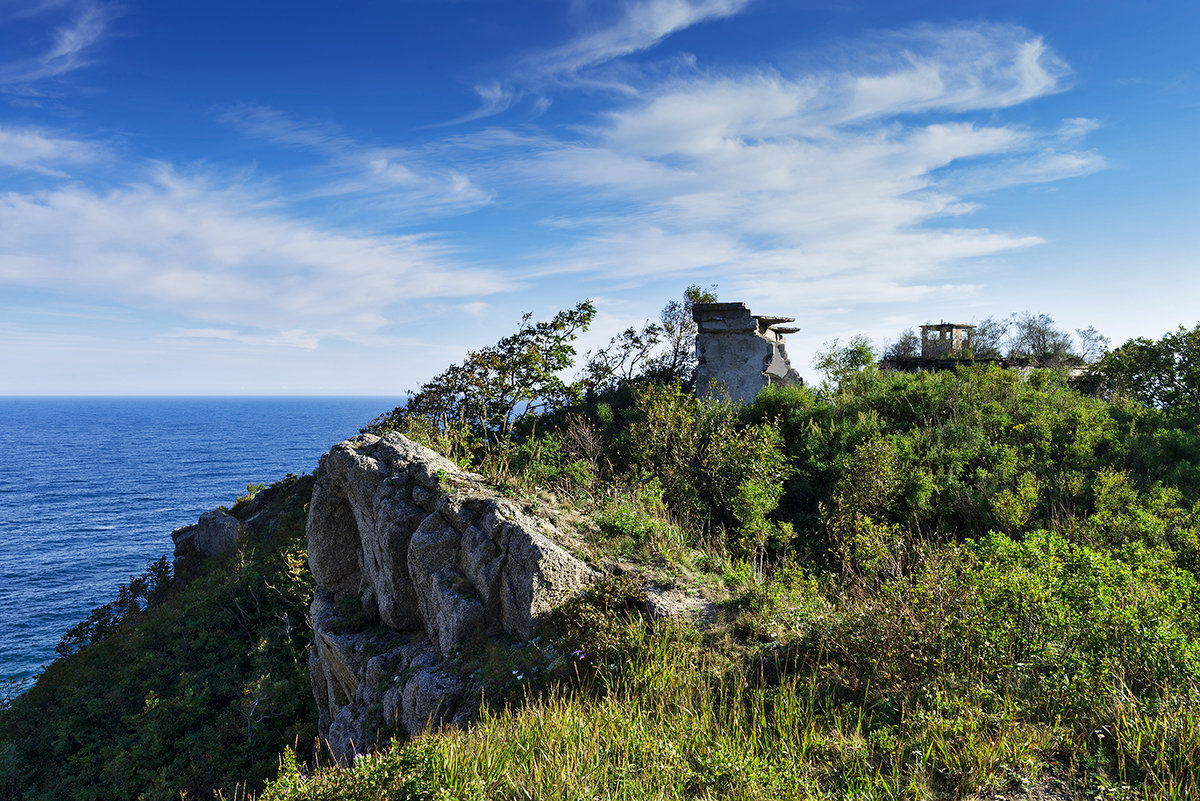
(946, 340)
(740, 353)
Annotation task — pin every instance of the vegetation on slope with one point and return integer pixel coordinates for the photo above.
(177, 686)
(940, 585)
(960, 584)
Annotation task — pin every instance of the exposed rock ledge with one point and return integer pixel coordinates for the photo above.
(400, 537)
(211, 536)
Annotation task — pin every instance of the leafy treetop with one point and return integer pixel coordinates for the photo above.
(497, 386)
(1163, 374)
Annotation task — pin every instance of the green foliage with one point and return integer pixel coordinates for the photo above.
(979, 449)
(626, 522)
(1163, 374)
(592, 625)
(141, 594)
(540, 463)
(718, 473)
(859, 533)
(1034, 336)
(621, 360)
(906, 346)
(174, 686)
(678, 361)
(400, 774)
(974, 582)
(631, 355)
(839, 362)
(497, 386)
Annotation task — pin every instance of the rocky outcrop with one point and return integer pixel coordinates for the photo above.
(212, 536)
(414, 559)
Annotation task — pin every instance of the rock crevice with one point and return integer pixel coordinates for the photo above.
(415, 559)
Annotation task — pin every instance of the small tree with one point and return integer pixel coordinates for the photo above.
(620, 360)
(1092, 344)
(678, 361)
(908, 346)
(630, 354)
(1034, 336)
(987, 341)
(1164, 374)
(497, 386)
(840, 362)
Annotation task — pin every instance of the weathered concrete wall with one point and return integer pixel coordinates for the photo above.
(740, 353)
(945, 340)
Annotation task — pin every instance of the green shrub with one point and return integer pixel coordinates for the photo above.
(718, 473)
(398, 774)
(593, 625)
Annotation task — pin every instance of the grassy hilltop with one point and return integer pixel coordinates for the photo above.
(936, 585)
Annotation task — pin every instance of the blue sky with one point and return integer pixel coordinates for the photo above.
(304, 198)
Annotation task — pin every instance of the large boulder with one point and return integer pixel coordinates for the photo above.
(212, 536)
(399, 536)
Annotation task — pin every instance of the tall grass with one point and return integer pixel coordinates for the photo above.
(685, 714)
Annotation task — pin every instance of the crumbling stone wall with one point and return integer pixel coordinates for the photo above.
(740, 353)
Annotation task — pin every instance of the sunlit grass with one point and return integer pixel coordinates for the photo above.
(690, 714)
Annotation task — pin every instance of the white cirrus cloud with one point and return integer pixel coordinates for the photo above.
(392, 178)
(66, 47)
(639, 25)
(635, 26)
(220, 259)
(33, 150)
(927, 68)
(841, 184)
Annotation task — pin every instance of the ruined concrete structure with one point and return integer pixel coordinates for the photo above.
(740, 353)
(946, 340)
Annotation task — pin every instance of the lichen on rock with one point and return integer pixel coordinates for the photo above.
(415, 559)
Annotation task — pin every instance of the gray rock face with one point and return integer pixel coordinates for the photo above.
(211, 536)
(674, 603)
(398, 531)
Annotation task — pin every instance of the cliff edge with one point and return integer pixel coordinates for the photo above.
(415, 559)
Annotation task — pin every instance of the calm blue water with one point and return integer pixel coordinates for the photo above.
(91, 488)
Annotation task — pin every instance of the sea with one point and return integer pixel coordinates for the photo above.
(92, 487)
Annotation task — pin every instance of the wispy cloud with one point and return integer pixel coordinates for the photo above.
(838, 185)
(395, 177)
(633, 27)
(67, 33)
(638, 25)
(295, 338)
(34, 150)
(225, 258)
(928, 68)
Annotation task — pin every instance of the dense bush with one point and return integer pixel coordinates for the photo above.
(197, 690)
(717, 472)
(978, 450)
